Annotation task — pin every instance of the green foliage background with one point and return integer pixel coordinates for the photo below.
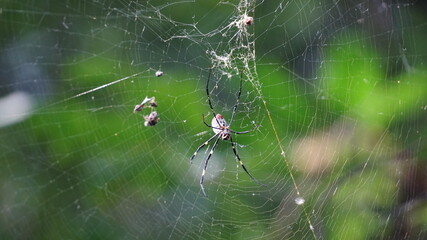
(87, 168)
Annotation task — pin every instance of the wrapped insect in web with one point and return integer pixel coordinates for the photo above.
(222, 131)
(159, 73)
(247, 20)
(150, 102)
(151, 120)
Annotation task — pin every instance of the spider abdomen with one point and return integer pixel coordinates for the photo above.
(219, 122)
(221, 127)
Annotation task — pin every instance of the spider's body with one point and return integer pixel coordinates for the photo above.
(222, 131)
(221, 127)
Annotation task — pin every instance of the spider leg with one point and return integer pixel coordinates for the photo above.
(241, 163)
(238, 99)
(202, 178)
(235, 132)
(201, 146)
(209, 96)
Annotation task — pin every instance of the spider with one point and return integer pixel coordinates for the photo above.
(222, 131)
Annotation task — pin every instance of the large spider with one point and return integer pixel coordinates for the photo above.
(222, 131)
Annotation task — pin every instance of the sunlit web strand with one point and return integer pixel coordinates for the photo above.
(103, 86)
(98, 88)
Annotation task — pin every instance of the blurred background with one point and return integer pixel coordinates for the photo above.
(338, 89)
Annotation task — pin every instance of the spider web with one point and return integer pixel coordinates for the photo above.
(337, 87)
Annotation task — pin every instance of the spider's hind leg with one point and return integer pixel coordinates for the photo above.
(200, 147)
(243, 166)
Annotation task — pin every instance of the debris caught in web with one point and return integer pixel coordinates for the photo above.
(299, 201)
(248, 20)
(159, 73)
(151, 120)
(151, 103)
